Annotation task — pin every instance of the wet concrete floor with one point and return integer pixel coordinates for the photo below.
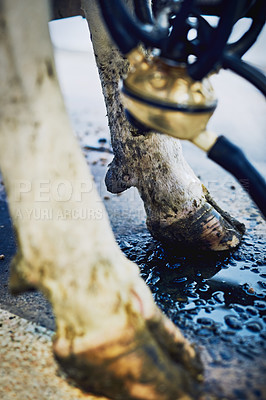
(217, 300)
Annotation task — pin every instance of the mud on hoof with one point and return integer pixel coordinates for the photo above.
(208, 228)
(152, 363)
(201, 225)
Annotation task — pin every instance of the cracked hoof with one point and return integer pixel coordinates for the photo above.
(152, 362)
(209, 228)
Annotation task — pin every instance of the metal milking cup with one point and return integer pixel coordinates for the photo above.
(170, 94)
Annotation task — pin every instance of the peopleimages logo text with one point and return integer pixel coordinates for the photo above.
(44, 190)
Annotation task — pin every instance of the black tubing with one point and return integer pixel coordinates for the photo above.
(241, 46)
(114, 18)
(230, 157)
(126, 31)
(143, 11)
(208, 61)
(247, 71)
(179, 26)
(215, 7)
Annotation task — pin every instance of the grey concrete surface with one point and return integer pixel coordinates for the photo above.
(27, 367)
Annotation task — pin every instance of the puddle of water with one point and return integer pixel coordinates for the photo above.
(210, 294)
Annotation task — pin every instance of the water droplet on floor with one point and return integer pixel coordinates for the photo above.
(260, 305)
(205, 321)
(254, 326)
(233, 322)
(219, 297)
(252, 310)
(180, 280)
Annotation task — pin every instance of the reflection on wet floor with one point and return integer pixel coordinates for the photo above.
(222, 293)
(218, 302)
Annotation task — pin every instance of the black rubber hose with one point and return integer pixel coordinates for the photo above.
(247, 71)
(143, 11)
(179, 25)
(231, 157)
(208, 61)
(241, 46)
(113, 17)
(126, 31)
(215, 7)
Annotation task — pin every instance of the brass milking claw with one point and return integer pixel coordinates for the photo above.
(172, 51)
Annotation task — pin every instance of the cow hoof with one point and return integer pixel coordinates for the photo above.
(180, 210)
(146, 361)
(208, 228)
(202, 225)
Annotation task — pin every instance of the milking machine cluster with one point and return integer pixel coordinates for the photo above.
(172, 48)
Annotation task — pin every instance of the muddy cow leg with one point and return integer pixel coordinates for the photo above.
(110, 335)
(179, 208)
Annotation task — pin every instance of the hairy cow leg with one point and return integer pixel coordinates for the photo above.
(110, 335)
(179, 208)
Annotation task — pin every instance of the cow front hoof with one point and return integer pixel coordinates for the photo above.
(152, 362)
(207, 228)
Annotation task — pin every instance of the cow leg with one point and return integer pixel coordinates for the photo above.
(110, 335)
(179, 208)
